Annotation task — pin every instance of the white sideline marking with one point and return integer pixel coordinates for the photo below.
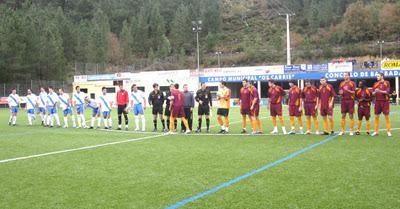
(80, 148)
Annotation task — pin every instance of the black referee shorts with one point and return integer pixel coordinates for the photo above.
(203, 110)
(157, 110)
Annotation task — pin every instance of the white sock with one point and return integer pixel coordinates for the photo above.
(52, 120)
(11, 119)
(29, 119)
(66, 121)
(92, 122)
(73, 121)
(42, 117)
(143, 123)
(105, 122)
(79, 120)
(110, 122)
(45, 119)
(83, 120)
(136, 122)
(222, 127)
(227, 129)
(48, 120)
(57, 119)
(98, 122)
(14, 120)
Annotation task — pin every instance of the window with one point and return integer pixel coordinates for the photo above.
(116, 83)
(110, 90)
(164, 88)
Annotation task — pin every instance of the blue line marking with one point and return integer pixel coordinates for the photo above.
(215, 189)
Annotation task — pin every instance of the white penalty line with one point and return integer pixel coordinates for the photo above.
(80, 148)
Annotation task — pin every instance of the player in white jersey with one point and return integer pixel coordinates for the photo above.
(94, 105)
(105, 108)
(52, 110)
(138, 104)
(78, 99)
(66, 106)
(42, 98)
(31, 102)
(13, 103)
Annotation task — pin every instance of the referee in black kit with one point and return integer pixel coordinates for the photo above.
(156, 99)
(203, 97)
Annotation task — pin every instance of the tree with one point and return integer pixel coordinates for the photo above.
(181, 30)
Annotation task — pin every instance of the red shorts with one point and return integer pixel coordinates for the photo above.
(309, 109)
(294, 111)
(364, 112)
(382, 107)
(347, 106)
(326, 111)
(245, 111)
(256, 111)
(275, 109)
(178, 112)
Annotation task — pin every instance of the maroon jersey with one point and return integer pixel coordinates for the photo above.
(178, 99)
(383, 86)
(310, 94)
(254, 96)
(245, 100)
(364, 94)
(275, 94)
(347, 85)
(294, 96)
(326, 95)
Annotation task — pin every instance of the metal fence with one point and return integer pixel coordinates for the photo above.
(34, 85)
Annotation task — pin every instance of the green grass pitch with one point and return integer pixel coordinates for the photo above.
(156, 171)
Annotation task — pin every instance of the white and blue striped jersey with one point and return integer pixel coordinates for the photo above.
(31, 101)
(13, 100)
(42, 99)
(105, 103)
(137, 97)
(52, 99)
(92, 104)
(79, 98)
(64, 101)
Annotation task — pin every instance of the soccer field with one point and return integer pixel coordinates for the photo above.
(81, 168)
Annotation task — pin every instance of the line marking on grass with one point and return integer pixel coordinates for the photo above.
(247, 175)
(80, 148)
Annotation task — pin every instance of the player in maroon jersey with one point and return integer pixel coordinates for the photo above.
(255, 109)
(276, 94)
(245, 103)
(347, 89)
(295, 97)
(326, 98)
(311, 103)
(364, 97)
(177, 110)
(381, 91)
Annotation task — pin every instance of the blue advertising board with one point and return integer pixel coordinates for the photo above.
(294, 68)
(365, 74)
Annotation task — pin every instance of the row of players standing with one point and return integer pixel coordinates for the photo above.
(312, 99)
